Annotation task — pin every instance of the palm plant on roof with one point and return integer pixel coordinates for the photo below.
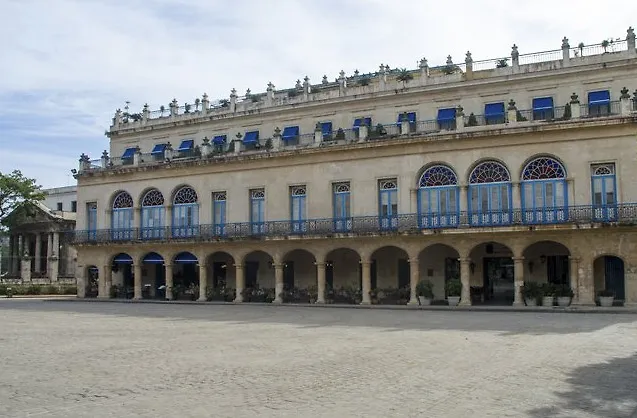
(605, 44)
(404, 76)
(162, 109)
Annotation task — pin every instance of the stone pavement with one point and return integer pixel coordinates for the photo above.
(66, 359)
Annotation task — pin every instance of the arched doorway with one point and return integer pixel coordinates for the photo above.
(491, 274)
(259, 277)
(92, 282)
(343, 276)
(299, 277)
(438, 264)
(122, 276)
(153, 276)
(390, 276)
(547, 262)
(185, 276)
(609, 275)
(221, 275)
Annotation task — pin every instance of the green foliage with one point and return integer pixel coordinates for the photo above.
(36, 289)
(16, 190)
(453, 287)
(364, 81)
(532, 290)
(473, 121)
(340, 134)
(519, 117)
(502, 63)
(425, 288)
(404, 76)
(567, 112)
(268, 144)
(564, 291)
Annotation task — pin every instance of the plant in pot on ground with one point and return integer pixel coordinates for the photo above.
(564, 295)
(548, 294)
(425, 292)
(453, 287)
(532, 293)
(606, 298)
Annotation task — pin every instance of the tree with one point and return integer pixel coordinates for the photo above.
(16, 190)
(405, 76)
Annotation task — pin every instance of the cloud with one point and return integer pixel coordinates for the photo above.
(68, 64)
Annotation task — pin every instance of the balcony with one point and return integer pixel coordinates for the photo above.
(620, 214)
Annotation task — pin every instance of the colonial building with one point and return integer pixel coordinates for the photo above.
(496, 172)
(39, 241)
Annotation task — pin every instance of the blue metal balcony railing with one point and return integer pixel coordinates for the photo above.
(625, 213)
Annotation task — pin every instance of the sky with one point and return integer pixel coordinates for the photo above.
(66, 65)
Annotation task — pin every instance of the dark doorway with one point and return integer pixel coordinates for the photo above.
(498, 280)
(329, 275)
(288, 275)
(557, 269)
(403, 273)
(187, 277)
(614, 276)
(160, 280)
(251, 272)
(219, 274)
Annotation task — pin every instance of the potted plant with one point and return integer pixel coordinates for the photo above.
(425, 292)
(532, 292)
(453, 288)
(606, 298)
(548, 294)
(564, 295)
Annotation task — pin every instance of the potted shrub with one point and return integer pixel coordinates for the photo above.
(453, 288)
(425, 292)
(606, 298)
(564, 295)
(532, 292)
(548, 294)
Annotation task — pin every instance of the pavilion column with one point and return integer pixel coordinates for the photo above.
(203, 282)
(103, 288)
(241, 281)
(414, 277)
(367, 282)
(49, 253)
(465, 278)
(518, 280)
(38, 252)
(278, 282)
(25, 263)
(137, 268)
(169, 281)
(320, 282)
(11, 250)
(54, 259)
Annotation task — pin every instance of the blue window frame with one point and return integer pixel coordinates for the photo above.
(604, 189)
(158, 151)
(447, 119)
(127, 156)
(290, 134)
(298, 209)
(494, 113)
(358, 122)
(185, 213)
(388, 204)
(219, 142)
(251, 137)
(257, 211)
(411, 118)
(490, 194)
(341, 206)
(219, 213)
(122, 217)
(186, 145)
(326, 130)
(91, 220)
(544, 192)
(599, 103)
(438, 198)
(543, 108)
(152, 214)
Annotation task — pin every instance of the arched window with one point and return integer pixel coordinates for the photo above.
(298, 208)
(185, 213)
(341, 207)
(257, 211)
(438, 198)
(219, 213)
(122, 217)
(152, 221)
(388, 203)
(490, 194)
(604, 188)
(544, 192)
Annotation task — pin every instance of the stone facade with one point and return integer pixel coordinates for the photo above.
(493, 199)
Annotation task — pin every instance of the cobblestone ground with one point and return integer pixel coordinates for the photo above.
(70, 359)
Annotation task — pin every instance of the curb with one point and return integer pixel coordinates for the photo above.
(441, 308)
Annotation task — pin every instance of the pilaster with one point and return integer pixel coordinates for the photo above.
(414, 277)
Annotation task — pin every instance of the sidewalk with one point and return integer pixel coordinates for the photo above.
(473, 308)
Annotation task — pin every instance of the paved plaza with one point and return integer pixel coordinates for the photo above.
(78, 359)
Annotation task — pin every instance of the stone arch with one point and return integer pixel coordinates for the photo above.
(121, 265)
(438, 263)
(547, 261)
(342, 271)
(154, 274)
(299, 269)
(185, 273)
(259, 269)
(491, 273)
(221, 272)
(535, 167)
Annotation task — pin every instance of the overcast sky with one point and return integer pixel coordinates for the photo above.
(66, 65)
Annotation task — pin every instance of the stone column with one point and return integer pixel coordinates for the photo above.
(574, 278)
(414, 277)
(278, 282)
(465, 278)
(169, 281)
(518, 280)
(203, 281)
(81, 280)
(38, 252)
(54, 260)
(586, 281)
(515, 195)
(367, 282)
(137, 268)
(103, 289)
(49, 253)
(240, 279)
(464, 204)
(320, 282)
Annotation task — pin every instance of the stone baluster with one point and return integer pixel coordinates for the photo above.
(318, 135)
(459, 118)
(137, 156)
(277, 143)
(174, 108)
(625, 102)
